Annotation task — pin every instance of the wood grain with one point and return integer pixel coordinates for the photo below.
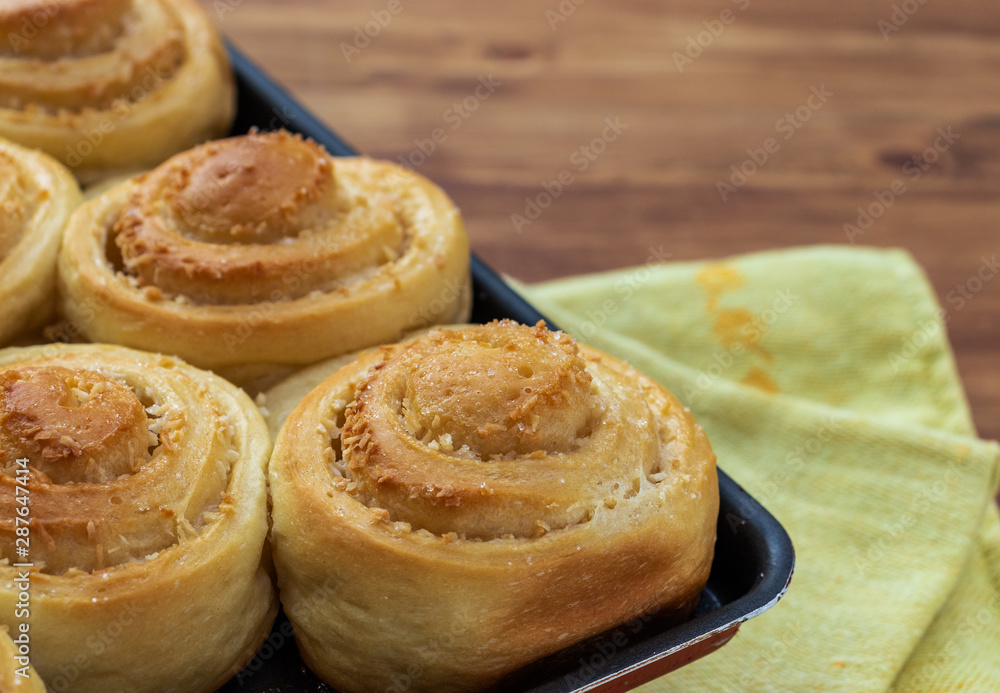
(561, 75)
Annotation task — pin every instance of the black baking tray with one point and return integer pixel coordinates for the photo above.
(754, 558)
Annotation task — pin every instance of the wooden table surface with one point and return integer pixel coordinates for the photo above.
(835, 100)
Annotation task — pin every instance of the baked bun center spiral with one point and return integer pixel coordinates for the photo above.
(75, 56)
(490, 432)
(247, 192)
(60, 28)
(514, 392)
(260, 217)
(72, 426)
(128, 453)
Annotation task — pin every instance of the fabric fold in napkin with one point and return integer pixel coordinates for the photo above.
(825, 382)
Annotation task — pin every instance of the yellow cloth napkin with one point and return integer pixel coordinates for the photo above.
(826, 384)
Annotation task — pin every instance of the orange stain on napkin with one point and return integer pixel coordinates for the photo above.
(760, 379)
(739, 326)
(735, 327)
(717, 279)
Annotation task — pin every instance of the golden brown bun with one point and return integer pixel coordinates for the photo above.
(16, 673)
(263, 253)
(109, 86)
(147, 503)
(448, 510)
(37, 197)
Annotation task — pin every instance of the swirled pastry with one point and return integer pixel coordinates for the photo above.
(111, 85)
(449, 509)
(134, 506)
(37, 196)
(264, 249)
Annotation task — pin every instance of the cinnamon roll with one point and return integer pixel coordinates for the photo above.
(264, 252)
(108, 86)
(448, 509)
(134, 519)
(37, 197)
